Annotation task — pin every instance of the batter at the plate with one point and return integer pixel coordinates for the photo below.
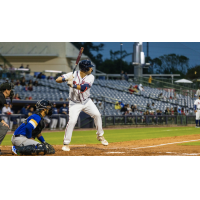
(80, 83)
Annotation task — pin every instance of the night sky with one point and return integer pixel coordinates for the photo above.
(156, 49)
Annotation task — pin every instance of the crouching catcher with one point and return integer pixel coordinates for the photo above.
(23, 139)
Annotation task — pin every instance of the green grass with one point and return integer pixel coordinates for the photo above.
(191, 144)
(115, 135)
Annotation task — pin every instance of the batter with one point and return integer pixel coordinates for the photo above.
(80, 83)
(197, 111)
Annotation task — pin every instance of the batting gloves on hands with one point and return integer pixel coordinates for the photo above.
(70, 80)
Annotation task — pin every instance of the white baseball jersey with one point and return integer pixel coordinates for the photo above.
(198, 93)
(76, 96)
(197, 103)
(5, 110)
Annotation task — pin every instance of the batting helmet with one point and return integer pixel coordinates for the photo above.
(84, 65)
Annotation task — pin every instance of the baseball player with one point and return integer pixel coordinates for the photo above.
(54, 118)
(64, 111)
(80, 83)
(23, 138)
(197, 111)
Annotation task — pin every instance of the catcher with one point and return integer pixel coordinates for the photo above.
(23, 139)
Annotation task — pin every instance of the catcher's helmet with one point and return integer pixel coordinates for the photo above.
(42, 104)
(84, 65)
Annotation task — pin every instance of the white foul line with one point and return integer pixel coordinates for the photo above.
(165, 144)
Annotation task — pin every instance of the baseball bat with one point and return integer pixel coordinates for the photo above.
(78, 58)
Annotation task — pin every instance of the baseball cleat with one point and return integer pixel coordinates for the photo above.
(196, 126)
(14, 151)
(65, 147)
(102, 140)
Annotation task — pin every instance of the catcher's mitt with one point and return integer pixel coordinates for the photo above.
(50, 149)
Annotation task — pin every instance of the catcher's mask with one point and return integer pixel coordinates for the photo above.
(8, 86)
(44, 104)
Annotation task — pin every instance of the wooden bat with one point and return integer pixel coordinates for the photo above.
(78, 58)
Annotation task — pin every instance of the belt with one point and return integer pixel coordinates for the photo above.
(17, 135)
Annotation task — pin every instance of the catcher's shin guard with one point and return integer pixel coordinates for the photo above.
(25, 150)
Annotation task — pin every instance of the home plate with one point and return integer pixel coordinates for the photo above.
(115, 152)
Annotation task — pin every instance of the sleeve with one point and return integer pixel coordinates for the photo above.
(28, 130)
(4, 110)
(66, 75)
(34, 121)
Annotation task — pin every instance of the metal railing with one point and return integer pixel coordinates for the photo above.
(179, 120)
(190, 90)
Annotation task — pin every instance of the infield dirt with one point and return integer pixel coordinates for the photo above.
(148, 147)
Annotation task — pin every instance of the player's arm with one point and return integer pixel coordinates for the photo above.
(65, 77)
(82, 88)
(41, 138)
(31, 125)
(85, 86)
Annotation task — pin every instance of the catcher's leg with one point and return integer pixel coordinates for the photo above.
(23, 141)
(74, 112)
(32, 149)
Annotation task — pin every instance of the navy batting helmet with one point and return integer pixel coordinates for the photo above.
(84, 65)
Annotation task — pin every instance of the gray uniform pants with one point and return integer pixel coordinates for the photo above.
(22, 140)
(3, 131)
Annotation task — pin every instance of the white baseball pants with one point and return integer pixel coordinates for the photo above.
(54, 123)
(62, 122)
(198, 115)
(74, 111)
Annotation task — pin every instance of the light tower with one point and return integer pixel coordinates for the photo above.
(138, 59)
